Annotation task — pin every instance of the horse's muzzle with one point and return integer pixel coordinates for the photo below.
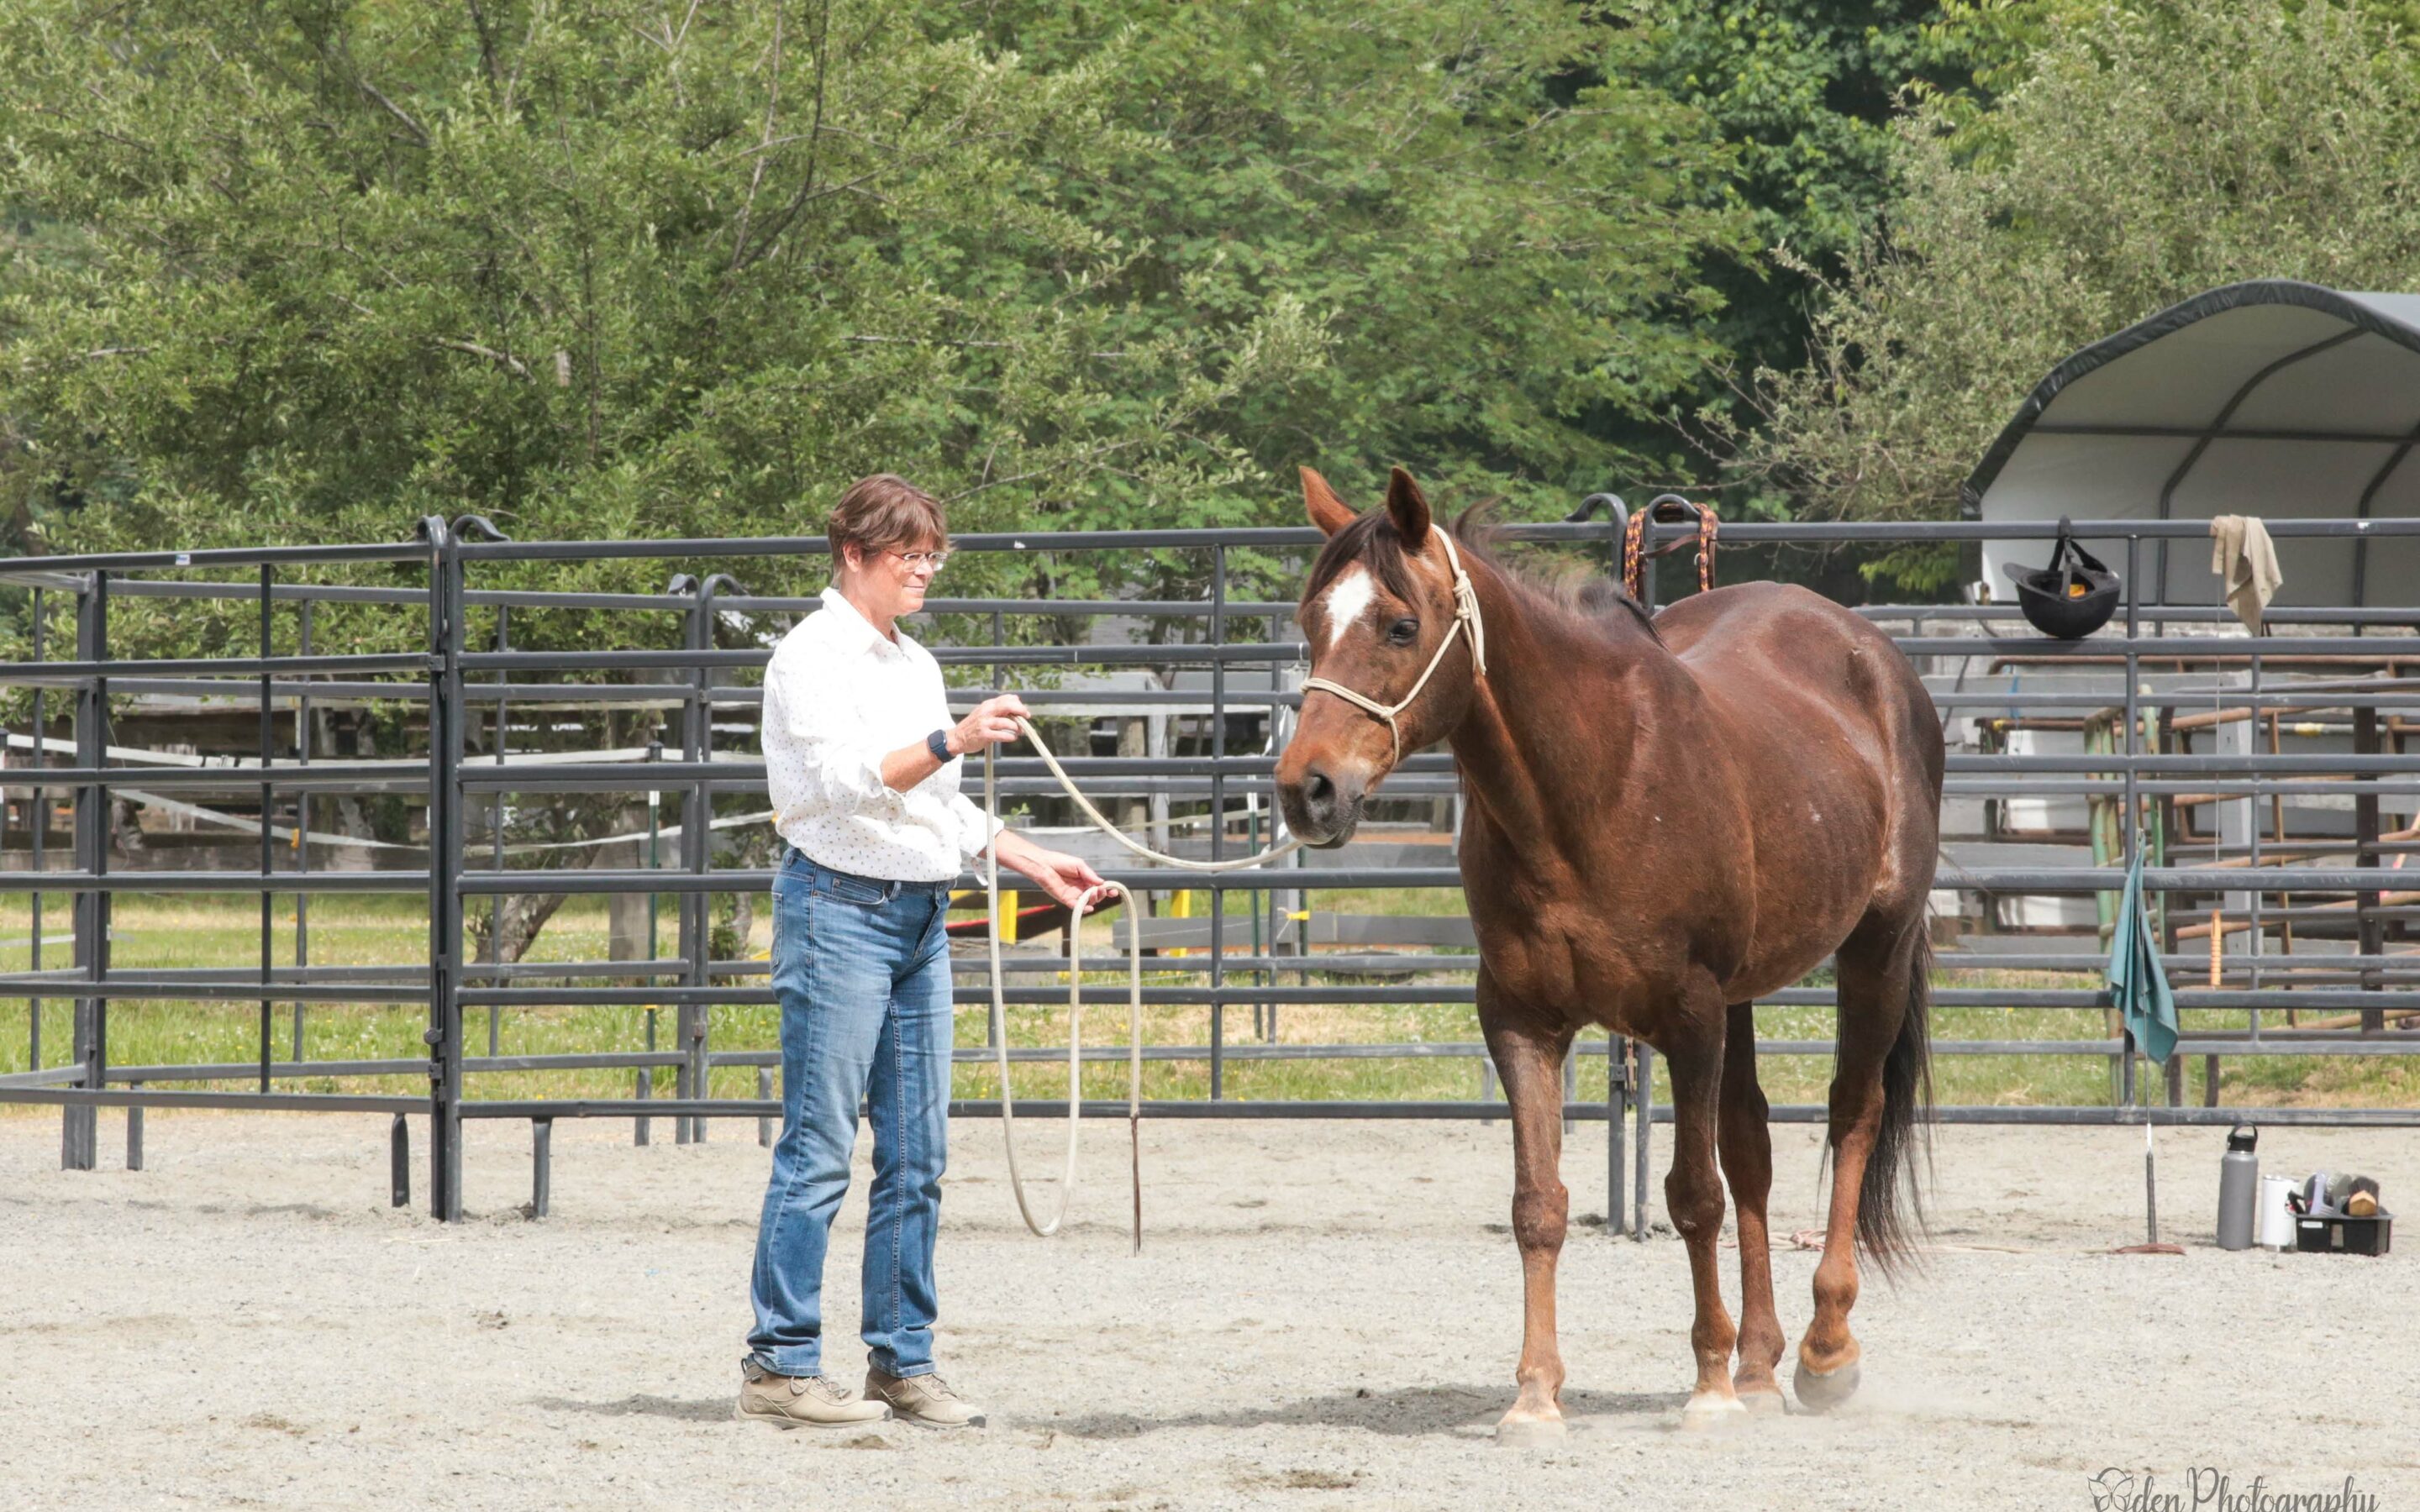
(1322, 807)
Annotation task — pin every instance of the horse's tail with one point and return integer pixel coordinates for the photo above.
(1890, 1198)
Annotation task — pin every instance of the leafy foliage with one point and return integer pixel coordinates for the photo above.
(317, 269)
(1804, 92)
(2121, 172)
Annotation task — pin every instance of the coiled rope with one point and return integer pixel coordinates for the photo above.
(1025, 1207)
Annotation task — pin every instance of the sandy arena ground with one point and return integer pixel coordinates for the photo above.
(1325, 1315)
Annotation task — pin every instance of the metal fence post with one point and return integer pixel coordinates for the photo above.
(301, 820)
(1617, 1108)
(39, 807)
(642, 1127)
(1643, 1130)
(1218, 821)
(993, 690)
(2370, 929)
(697, 907)
(398, 1162)
(267, 841)
(541, 1167)
(80, 1126)
(446, 799)
(1642, 1108)
(496, 848)
(2128, 836)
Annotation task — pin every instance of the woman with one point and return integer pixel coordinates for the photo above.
(863, 762)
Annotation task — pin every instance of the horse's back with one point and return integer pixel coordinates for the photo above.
(1762, 651)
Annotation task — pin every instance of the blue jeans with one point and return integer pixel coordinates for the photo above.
(862, 967)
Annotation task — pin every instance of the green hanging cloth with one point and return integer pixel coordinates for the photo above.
(2136, 983)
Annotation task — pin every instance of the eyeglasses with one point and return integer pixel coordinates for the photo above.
(934, 560)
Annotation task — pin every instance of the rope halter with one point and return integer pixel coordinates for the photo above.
(1466, 612)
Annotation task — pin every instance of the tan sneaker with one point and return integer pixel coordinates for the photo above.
(925, 1401)
(801, 1401)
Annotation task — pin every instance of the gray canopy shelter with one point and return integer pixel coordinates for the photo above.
(2274, 398)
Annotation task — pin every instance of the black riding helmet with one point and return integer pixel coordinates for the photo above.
(2071, 597)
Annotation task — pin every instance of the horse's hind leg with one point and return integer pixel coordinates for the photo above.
(1531, 1065)
(1747, 1144)
(1693, 1194)
(1874, 969)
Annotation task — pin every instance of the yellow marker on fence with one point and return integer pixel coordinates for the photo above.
(1180, 905)
(2217, 939)
(1005, 923)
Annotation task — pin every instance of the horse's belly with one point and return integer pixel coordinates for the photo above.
(1822, 859)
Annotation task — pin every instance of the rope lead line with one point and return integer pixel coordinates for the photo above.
(1076, 990)
(1466, 617)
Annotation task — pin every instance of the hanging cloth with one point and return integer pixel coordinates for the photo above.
(2245, 560)
(2137, 984)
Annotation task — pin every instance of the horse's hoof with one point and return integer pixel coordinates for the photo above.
(1529, 1432)
(1820, 1391)
(1708, 1409)
(1763, 1401)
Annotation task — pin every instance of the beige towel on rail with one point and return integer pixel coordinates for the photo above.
(2245, 560)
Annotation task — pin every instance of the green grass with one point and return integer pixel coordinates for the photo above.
(178, 929)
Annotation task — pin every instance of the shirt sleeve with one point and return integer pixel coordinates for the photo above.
(976, 829)
(836, 769)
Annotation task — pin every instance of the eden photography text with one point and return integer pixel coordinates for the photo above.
(2217, 1491)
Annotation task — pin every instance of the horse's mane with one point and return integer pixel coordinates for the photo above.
(1586, 599)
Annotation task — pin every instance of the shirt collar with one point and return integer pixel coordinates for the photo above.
(855, 626)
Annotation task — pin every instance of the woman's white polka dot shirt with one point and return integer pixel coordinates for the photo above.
(839, 695)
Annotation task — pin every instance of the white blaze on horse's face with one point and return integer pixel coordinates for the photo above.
(1348, 598)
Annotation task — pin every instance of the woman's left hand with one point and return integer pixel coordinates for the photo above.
(1068, 879)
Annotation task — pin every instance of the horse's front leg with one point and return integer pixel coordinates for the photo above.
(1529, 1059)
(1693, 1192)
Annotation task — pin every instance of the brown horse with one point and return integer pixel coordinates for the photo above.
(1665, 819)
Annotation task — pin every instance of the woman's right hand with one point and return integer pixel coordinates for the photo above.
(993, 722)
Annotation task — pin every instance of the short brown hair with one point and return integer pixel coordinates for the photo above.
(883, 512)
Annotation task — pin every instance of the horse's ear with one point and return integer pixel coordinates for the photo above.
(1410, 509)
(1328, 512)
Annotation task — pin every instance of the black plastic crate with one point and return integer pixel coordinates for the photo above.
(2321, 1233)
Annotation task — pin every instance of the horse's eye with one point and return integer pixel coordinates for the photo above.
(1404, 632)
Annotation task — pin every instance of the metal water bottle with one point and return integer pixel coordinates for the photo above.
(2239, 1188)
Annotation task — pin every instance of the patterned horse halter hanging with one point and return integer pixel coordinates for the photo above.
(1672, 506)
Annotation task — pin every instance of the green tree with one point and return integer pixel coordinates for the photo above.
(591, 275)
(597, 272)
(2146, 152)
(1805, 92)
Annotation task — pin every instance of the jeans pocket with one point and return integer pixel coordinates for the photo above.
(852, 890)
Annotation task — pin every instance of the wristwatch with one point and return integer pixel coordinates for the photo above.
(939, 744)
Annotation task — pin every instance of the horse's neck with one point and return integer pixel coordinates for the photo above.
(1550, 735)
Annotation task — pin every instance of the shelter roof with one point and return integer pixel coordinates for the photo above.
(2274, 397)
